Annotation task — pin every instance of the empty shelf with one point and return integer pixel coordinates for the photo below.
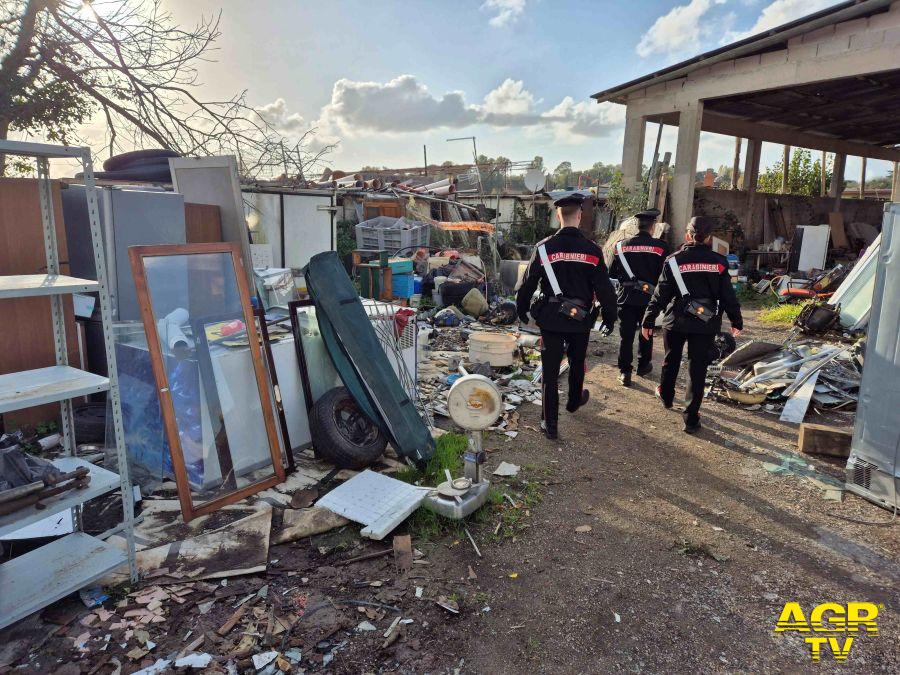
(29, 388)
(102, 481)
(28, 285)
(49, 573)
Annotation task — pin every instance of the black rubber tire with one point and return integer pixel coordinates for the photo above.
(341, 432)
(90, 423)
(136, 158)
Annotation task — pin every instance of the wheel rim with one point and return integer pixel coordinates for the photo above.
(352, 424)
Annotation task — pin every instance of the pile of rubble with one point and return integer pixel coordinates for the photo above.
(786, 379)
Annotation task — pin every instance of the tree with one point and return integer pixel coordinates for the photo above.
(804, 175)
(537, 162)
(562, 174)
(62, 61)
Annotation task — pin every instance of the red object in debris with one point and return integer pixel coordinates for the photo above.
(802, 293)
(232, 327)
(401, 319)
(449, 253)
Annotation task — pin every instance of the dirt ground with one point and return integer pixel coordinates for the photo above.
(632, 547)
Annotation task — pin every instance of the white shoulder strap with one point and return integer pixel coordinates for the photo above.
(624, 262)
(676, 274)
(548, 268)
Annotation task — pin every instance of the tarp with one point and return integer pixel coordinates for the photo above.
(360, 360)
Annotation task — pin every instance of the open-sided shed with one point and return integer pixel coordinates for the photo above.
(829, 81)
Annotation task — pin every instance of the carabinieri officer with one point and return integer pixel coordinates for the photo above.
(694, 291)
(636, 264)
(570, 270)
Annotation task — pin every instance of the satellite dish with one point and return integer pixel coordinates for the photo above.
(535, 180)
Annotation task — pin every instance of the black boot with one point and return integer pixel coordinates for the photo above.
(644, 369)
(692, 427)
(585, 395)
(625, 379)
(549, 430)
(666, 404)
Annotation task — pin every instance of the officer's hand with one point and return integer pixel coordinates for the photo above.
(735, 331)
(647, 333)
(523, 317)
(605, 329)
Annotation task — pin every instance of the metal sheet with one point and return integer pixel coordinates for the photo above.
(102, 481)
(47, 385)
(29, 285)
(47, 574)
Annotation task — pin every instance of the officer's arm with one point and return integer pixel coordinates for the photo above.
(662, 296)
(528, 287)
(603, 289)
(729, 301)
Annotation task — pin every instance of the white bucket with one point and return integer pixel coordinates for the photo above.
(495, 348)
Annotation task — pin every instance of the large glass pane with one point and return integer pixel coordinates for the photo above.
(211, 373)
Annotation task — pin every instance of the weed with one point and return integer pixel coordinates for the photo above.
(782, 315)
(448, 454)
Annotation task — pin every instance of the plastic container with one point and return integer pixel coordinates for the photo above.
(401, 265)
(402, 285)
(391, 239)
(417, 284)
(497, 349)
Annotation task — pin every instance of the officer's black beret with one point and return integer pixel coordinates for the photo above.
(573, 199)
(647, 214)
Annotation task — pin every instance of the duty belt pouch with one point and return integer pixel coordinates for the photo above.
(566, 307)
(691, 307)
(636, 291)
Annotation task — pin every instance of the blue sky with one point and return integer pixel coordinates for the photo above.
(385, 77)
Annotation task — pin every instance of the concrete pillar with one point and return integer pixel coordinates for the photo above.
(895, 186)
(682, 190)
(736, 166)
(633, 149)
(862, 179)
(751, 178)
(837, 181)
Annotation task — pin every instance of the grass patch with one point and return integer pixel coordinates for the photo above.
(427, 525)
(448, 453)
(782, 315)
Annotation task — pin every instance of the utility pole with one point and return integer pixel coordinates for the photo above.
(425, 154)
(823, 177)
(785, 168)
(736, 165)
(862, 179)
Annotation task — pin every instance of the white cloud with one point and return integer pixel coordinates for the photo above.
(276, 114)
(585, 118)
(405, 104)
(781, 12)
(510, 98)
(506, 11)
(684, 29)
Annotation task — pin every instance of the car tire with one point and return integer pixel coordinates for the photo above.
(342, 433)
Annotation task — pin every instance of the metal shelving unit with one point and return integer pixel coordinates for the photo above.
(36, 579)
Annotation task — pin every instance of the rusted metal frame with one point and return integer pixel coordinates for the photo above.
(136, 255)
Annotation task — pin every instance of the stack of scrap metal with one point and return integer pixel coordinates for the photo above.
(791, 376)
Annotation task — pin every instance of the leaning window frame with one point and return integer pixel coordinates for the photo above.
(137, 254)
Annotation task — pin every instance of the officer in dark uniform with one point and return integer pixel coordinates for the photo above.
(570, 270)
(637, 275)
(694, 291)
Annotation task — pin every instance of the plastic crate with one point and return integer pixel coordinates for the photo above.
(401, 265)
(391, 239)
(402, 285)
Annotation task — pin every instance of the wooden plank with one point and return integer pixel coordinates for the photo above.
(820, 439)
(202, 223)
